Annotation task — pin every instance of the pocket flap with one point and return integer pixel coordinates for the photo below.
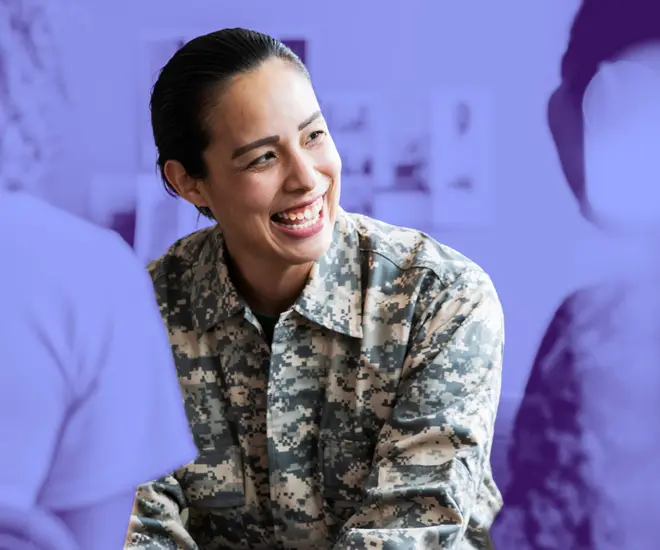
(215, 479)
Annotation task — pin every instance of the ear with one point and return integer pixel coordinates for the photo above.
(186, 186)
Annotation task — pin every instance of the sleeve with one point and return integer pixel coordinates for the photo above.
(549, 504)
(129, 425)
(156, 522)
(432, 456)
(34, 393)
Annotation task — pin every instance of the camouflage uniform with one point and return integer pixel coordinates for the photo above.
(367, 425)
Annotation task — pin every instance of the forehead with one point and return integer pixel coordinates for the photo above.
(272, 99)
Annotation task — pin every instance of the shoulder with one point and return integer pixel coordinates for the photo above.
(60, 249)
(25, 219)
(584, 317)
(414, 258)
(177, 262)
(72, 283)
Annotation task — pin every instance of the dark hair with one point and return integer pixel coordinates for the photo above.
(601, 30)
(187, 88)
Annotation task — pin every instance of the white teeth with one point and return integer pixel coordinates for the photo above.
(303, 225)
(310, 214)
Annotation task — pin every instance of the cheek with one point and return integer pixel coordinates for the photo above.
(330, 162)
(257, 195)
(244, 195)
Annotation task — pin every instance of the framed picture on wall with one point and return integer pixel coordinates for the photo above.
(156, 50)
(354, 120)
(462, 170)
(403, 196)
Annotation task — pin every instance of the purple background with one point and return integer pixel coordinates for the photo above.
(74, 80)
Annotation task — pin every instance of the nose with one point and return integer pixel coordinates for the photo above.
(302, 175)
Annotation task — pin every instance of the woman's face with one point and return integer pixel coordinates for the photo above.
(273, 170)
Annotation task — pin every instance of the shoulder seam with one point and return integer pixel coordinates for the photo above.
(473, 268)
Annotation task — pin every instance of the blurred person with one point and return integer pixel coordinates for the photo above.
(585, 442)
(341, 375)
(90, 406)
(80, 336)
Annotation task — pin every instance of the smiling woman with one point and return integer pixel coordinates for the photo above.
(341, 375)
(262, 152)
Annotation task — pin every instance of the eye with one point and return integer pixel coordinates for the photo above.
(316, 136)
(261, 160)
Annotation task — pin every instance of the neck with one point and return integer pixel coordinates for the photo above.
(268, 288)
(641, 252)
(623, 255)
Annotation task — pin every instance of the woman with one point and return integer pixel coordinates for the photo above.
(341, 376)
(586, 441)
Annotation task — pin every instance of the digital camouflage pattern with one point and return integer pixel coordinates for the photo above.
(368, 426)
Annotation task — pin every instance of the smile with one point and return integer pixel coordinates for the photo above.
(301, 217)
(301, 222)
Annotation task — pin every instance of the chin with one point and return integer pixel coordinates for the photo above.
(310, 250)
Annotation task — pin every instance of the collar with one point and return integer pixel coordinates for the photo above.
(331, 298)
(213, 297)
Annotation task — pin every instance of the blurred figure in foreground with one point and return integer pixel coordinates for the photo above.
(586, 441)
(86, 379)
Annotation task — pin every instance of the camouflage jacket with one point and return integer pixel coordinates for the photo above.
(367, 425)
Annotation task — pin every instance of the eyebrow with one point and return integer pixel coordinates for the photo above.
(270, 140)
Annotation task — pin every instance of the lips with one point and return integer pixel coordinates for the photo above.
(300, 215)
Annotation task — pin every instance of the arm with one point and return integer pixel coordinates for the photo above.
(155, 521)
(94, 361)
(128, 424)
(431, 456)
(550, 503)
(156, 518)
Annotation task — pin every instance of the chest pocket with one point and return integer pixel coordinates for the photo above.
(214, 490)
(346, 465)
(215, 479)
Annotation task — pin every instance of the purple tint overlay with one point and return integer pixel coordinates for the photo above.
(545, 459)
(299, 47)
(539, 457)
(583, 458)
(90, 404)
(123, 223)
(601, 30)
(565, 466)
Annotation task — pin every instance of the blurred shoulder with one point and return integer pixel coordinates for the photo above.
(40, 236)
